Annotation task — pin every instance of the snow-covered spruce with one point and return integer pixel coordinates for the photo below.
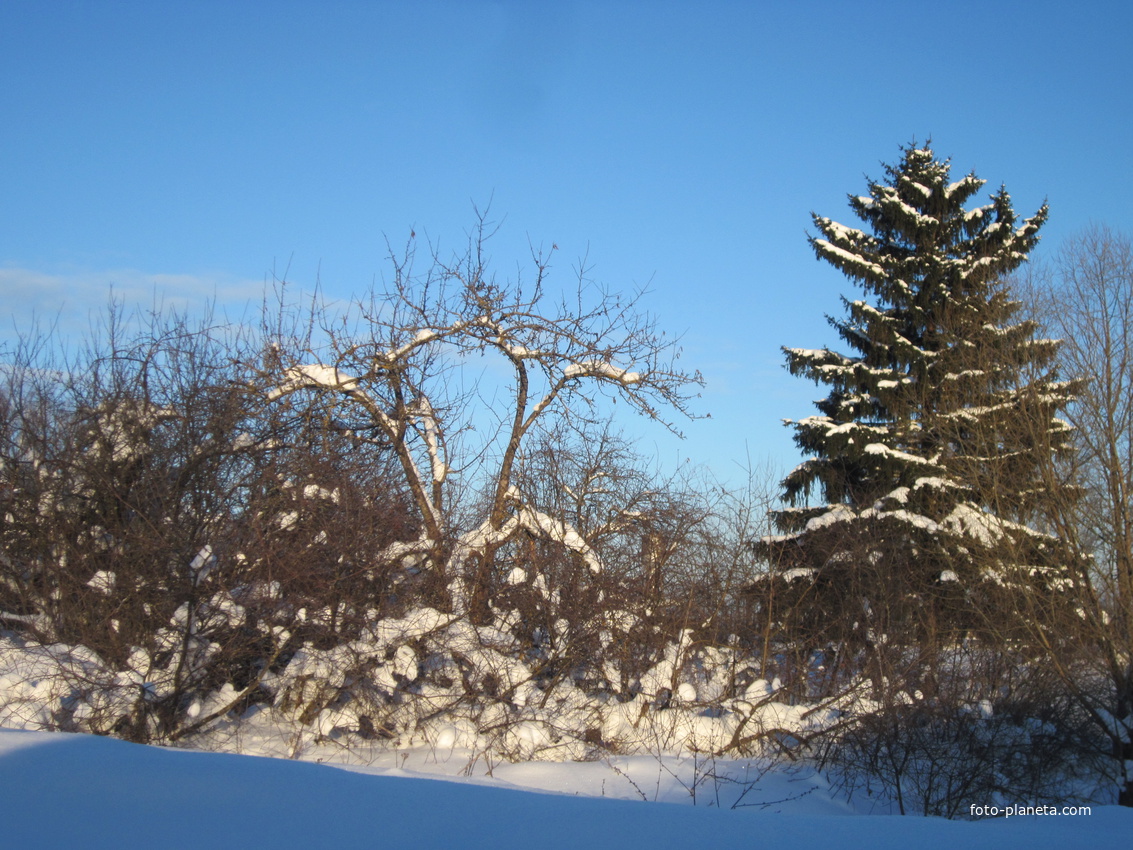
(925, 456)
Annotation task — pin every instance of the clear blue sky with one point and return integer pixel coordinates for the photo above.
(196, 146)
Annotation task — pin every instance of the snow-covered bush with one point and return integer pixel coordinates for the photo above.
(987, 727)
(156, 518)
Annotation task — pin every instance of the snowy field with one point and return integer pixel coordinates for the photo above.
(66, 790)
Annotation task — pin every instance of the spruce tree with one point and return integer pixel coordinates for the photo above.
(926, 455)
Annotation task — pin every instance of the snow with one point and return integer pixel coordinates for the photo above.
(913, 519)
(842, 233)
(64, 790)
(963, 183)
(965, 519)
(103, 581)
(895, 454)
(601, 369)
(423, 411)
(798, 572)
(422, 337)
(202, 564)
(314, 375)
(519, 352)
(314, 491)
(889, 197)
(850, 260)
(564, 534)
(836, 514)
(924, 191)
(935, 483)
(810, 353)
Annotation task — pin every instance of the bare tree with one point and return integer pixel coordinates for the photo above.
(1094, 315)
(454, 370)
(1086, 298)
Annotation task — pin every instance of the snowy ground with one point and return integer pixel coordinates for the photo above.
(61, 790)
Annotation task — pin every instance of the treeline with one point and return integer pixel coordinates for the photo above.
(414, 520)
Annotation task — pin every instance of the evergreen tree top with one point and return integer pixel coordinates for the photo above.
(933, 386)
(921, 243)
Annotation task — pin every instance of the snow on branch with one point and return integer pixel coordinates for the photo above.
(313, 376)
(842, 233)
(422, 410)
(852, 264)
(601, 369)
(890, 199)
(550, 528)
(965, 185)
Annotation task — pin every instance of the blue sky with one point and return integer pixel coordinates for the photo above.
(194, 148)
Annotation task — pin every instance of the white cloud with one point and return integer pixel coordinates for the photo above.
(74, 300)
